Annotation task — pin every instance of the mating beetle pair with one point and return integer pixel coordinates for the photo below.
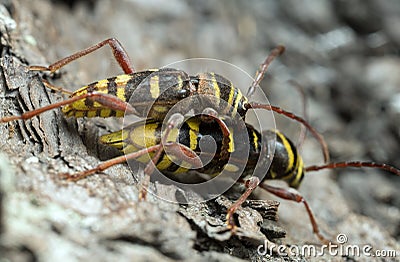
(156, 92)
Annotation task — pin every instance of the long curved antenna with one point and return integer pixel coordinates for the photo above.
(303, 131)
(277, 51)
(56, 88)
(291, 115)
(386, 167)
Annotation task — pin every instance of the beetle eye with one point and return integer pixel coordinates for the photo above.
(183, 93)
(194, 80)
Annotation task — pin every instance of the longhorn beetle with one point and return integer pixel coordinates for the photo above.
(286, 164)
(156, 91)
(163, 88)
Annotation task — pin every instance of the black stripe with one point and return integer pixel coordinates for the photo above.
(280, 162)
(167, 79)
(112, 113)
(112, 86)
(114, 144)
(213, 130)
(295, 157)
(134, 82)
(225, 87)
(184, 135)
(254, 146)
(161, 157)
(172, 168)
(91, 88)
(233, 101)
(292, 178)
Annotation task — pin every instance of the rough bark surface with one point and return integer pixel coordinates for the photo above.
(347, 63)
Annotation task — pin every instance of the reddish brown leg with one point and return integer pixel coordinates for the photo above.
(118, 51)
(106, 100)
(291, 115)
(226, 138)
(277, 51)
(56, 88)
(209, 115)
(173, 147)
(173, 121)
(295, 196)
(110, 163)
(250, 184)
(259, 76)
(303, 130)
(386, 167)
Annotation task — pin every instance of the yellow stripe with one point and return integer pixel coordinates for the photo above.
(164, 163)
(182, 169)
(217, 91)
(273, 174)
(296, 182)
(79, 114)
(231, 143)
(255, 140)
(115, 139)
(91, 113)
(144, 135)
(128, 148)
(150, 135)
(121, 93)
(238, 97)
(119, 113)
(193, 132)
(78, 106)
(180, 82)
(119, 146)
(80, 91)
(160, 109)
(102, 84)
(154, 87)
(105, 112)
(122, 79)
(98, 86)
(231, 168)
(166, 160)
(231, 93)
(288, 150)
(184, 165)
(101, 87)
(193, 139)
(173, 135)
(146, 158)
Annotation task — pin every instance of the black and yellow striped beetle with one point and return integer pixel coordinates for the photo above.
(287, 164)
(156, 92)
(161, 90)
